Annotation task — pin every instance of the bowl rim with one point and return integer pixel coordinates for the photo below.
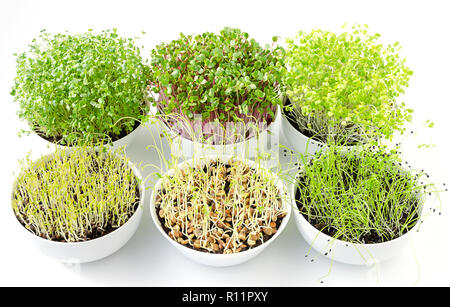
(310, 140)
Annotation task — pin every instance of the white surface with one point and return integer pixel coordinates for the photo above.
(148, 259)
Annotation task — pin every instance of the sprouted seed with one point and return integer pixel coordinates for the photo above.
(220, 207)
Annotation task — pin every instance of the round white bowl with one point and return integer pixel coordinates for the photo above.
(220, 260)
(266, 141)
(346, 252)
(90, 250)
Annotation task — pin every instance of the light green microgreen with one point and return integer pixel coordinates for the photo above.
(361, 195)
(75, 197)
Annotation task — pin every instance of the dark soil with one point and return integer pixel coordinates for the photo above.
(221, 250)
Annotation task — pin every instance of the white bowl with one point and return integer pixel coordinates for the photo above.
(122, 142)
(266, 141)
(346, 252)
(220, 260)
(90, 250)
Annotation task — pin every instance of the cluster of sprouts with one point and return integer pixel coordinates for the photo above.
(81, 88)
(360, 196)
(220, 206)
(347, 83)
(75, 195)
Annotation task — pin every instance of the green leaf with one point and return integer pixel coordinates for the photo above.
(341, 79)
(72, 87)
(223, 70)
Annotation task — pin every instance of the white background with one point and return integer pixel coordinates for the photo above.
(421, 27)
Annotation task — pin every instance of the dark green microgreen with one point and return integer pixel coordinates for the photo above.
(81, 88)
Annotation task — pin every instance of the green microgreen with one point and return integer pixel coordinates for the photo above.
(360, 196)
(343, 88)
(75, 89)
(75, 196)
(225, 77)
